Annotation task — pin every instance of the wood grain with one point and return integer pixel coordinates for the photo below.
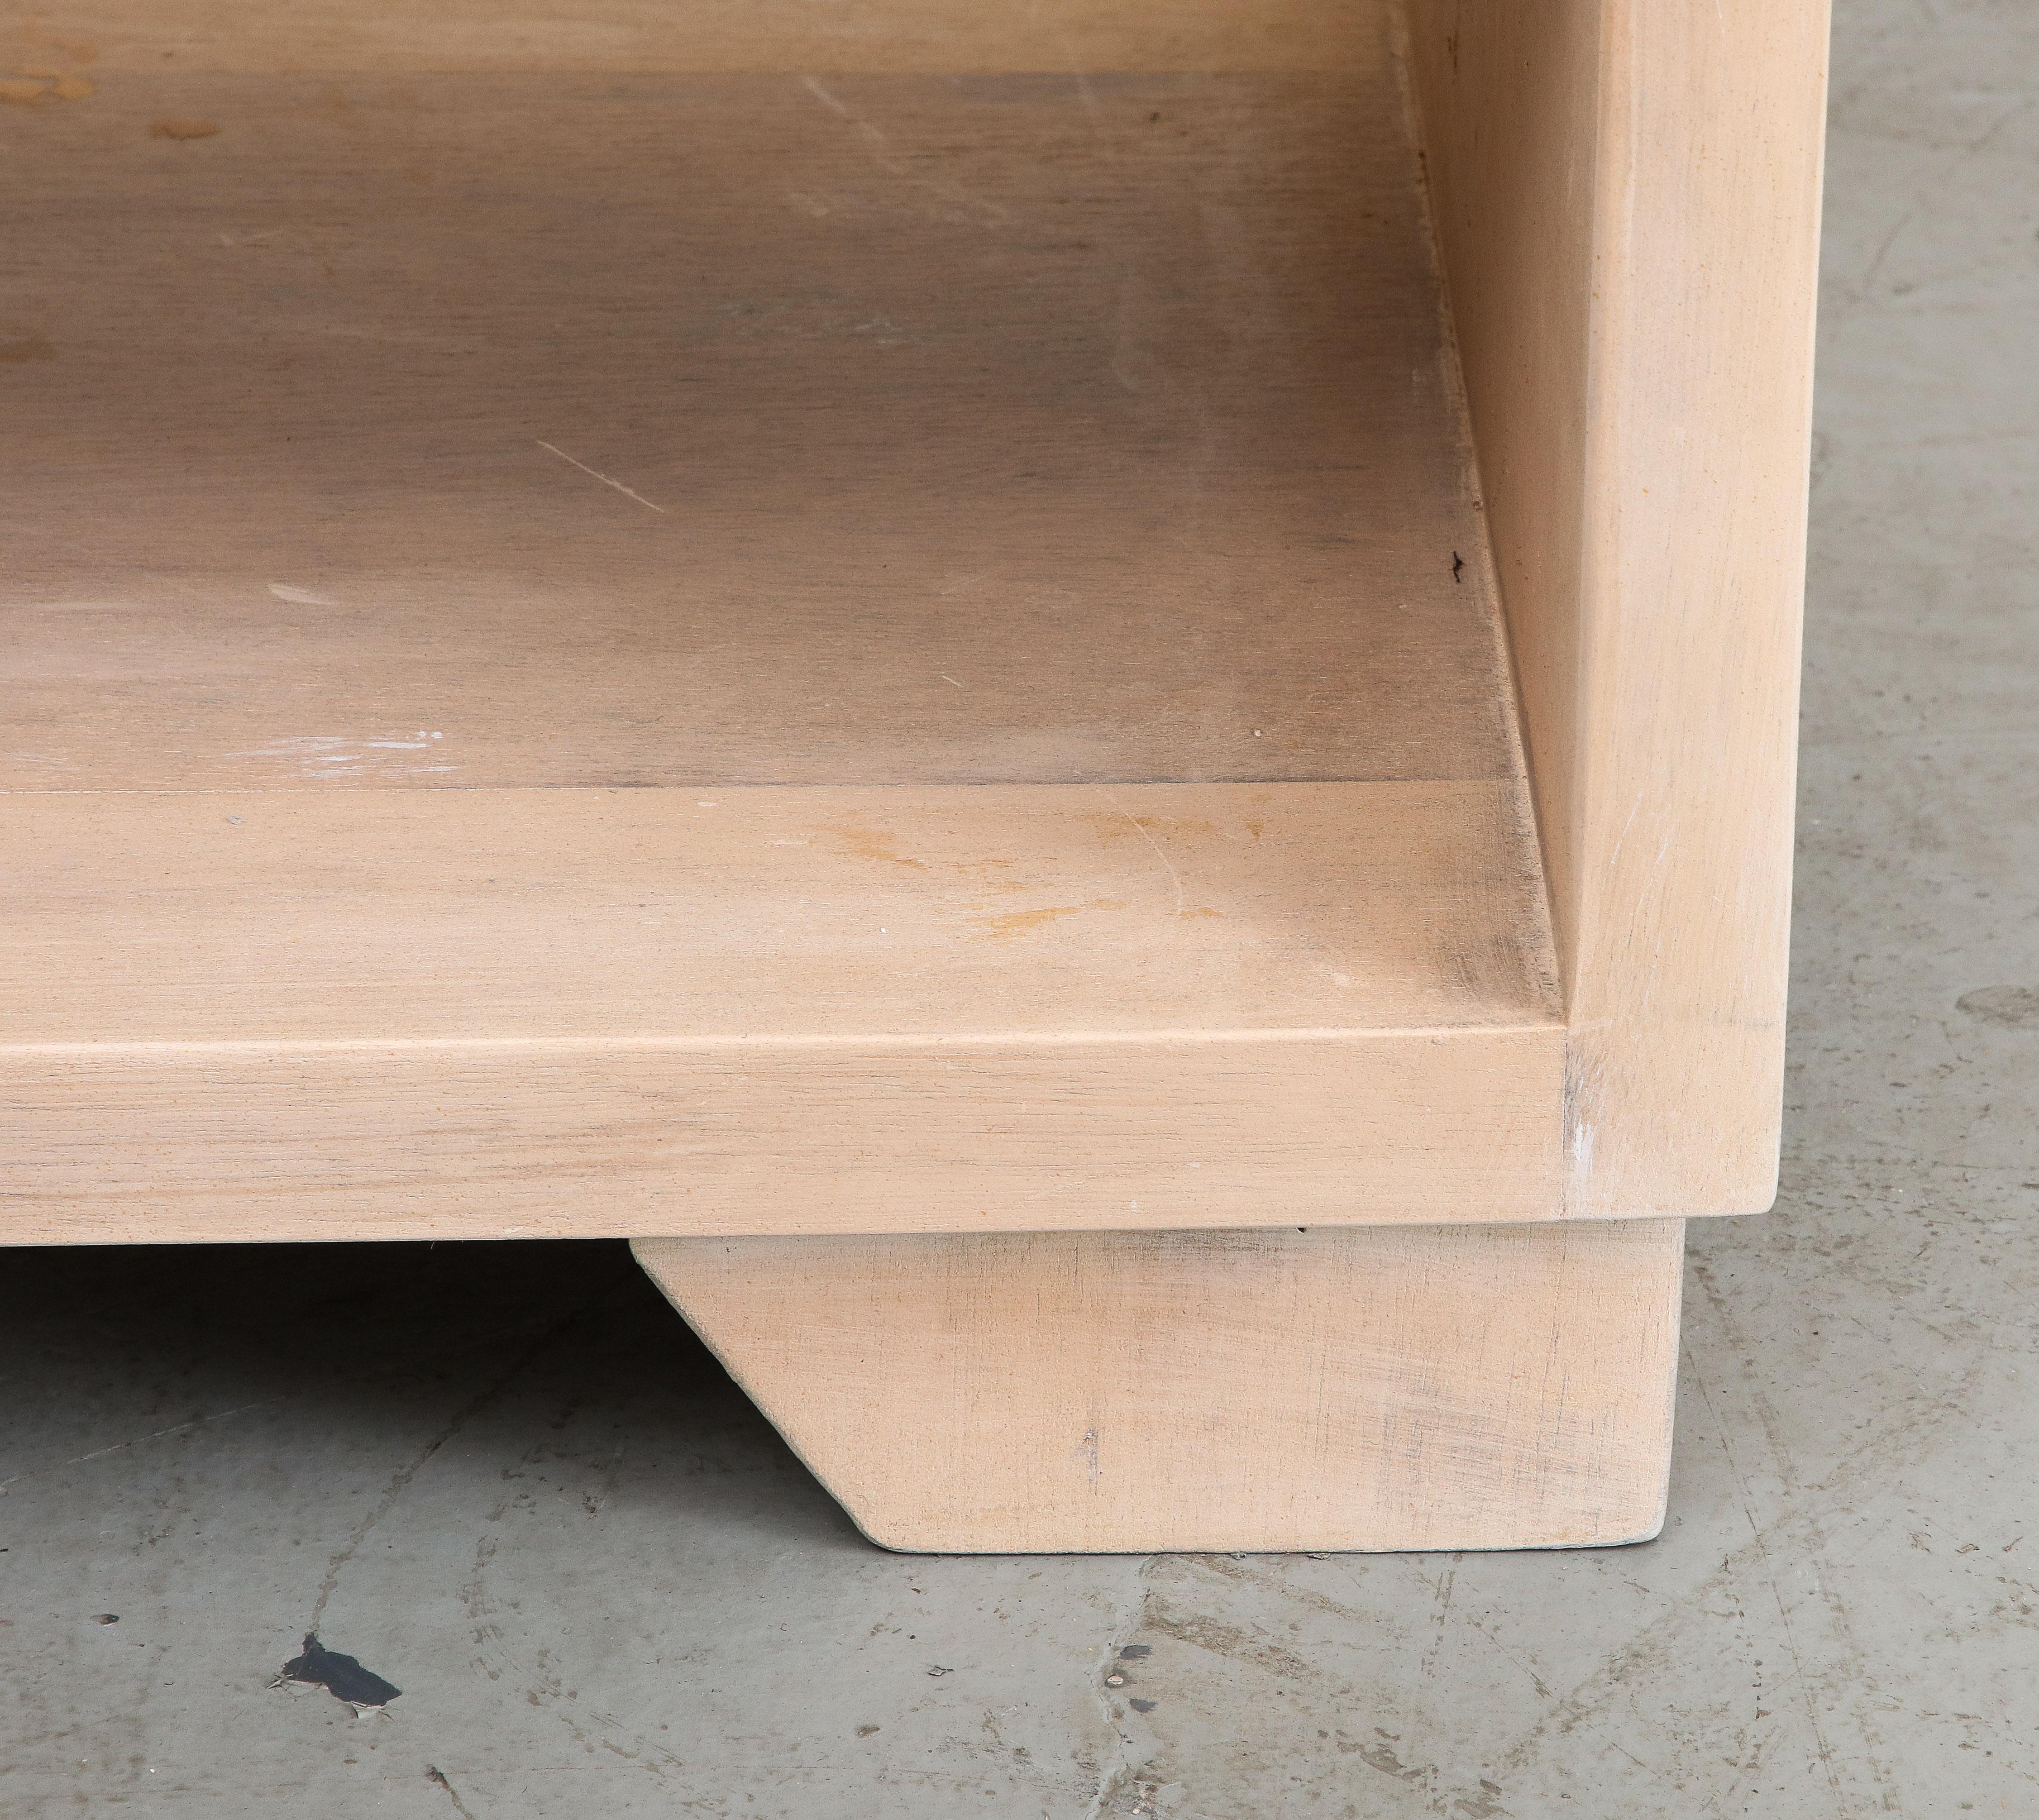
(422, 916)
(1426, 1388)
(785, 623)
(666, 621)
(1071, 38)
(996, 428)
(1627, 196)
(242, 1143)
(411, 1013)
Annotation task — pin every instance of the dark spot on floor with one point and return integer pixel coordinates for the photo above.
(341, 1676)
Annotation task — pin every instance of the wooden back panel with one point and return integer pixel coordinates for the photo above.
(1626, 194)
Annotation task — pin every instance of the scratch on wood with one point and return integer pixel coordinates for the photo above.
(605, 480)
(1141, 828)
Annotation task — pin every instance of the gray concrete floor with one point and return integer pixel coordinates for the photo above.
(506, 1478)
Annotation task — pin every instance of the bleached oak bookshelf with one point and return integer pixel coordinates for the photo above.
(1090, 708)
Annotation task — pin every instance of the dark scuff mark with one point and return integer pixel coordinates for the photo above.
(341, 1676)
(1141, 1705)
(1132, 1652)
(1458, 567)
(433, 1773)
(2013, 1007)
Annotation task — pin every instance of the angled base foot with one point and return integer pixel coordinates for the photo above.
(1373, 1388)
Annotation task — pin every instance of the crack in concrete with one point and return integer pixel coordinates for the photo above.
(400, 1481)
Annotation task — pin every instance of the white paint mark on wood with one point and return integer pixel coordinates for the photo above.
(312, 752)
(1086, 1453)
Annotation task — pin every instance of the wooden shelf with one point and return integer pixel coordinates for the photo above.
(751, 629)
(858, 641)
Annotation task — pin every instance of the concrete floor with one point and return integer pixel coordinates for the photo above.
(505, 1477)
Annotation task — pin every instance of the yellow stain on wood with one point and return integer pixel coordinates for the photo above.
(873, 844)
(1018, 922)
(31, 87)
(1021, 922)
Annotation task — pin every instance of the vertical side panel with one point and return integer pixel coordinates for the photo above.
(1508, 95)
(1628, 198)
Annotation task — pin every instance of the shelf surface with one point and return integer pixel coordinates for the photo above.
(866, 624)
